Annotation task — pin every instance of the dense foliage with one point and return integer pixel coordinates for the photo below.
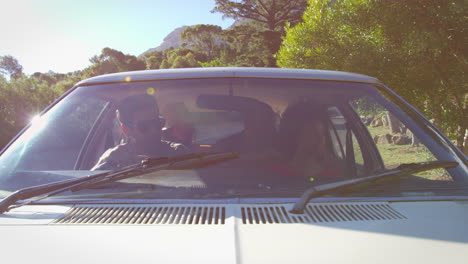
(272, 13)
(417, 47)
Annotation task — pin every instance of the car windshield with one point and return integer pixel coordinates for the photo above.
(289, 134)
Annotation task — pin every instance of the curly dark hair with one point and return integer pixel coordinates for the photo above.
(293, 120)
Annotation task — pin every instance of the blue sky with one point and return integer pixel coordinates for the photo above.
(61, 35)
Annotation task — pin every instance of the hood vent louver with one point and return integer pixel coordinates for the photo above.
(320, 213)
(145, 215)
(216, 215)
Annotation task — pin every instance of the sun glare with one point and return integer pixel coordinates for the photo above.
(37, 124)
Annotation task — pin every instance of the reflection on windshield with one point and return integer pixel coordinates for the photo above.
(291, 134)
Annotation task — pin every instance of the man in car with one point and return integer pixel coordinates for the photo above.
(141, 124)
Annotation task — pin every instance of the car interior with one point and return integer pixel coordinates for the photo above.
(220, 123)
(214, 118)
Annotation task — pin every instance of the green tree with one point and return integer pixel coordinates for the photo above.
(203, 39)
(50, 77)
(254, 43)
(248, 45)
(418, 47)
(265, 44)
(153, 60)
(110, 61)
(271, 13)
(6, 123)
(187, 61)
(68, 82)
(165, 64)
(9, 65)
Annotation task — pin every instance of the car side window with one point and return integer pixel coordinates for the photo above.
(395, 142)
(338, 134)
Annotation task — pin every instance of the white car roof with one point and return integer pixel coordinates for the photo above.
(218, 72)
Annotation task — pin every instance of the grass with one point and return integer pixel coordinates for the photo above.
(378, 130)
(397, 154)
(394, 155)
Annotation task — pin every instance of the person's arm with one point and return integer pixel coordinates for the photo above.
(120, 156)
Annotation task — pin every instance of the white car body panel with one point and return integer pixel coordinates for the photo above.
(422, 237)
(219, 72)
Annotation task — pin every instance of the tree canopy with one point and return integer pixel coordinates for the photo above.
(417, 47)
(272, 13)
(204, 39)
(111, 60)
(10, 66)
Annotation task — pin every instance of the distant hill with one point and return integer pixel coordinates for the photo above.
(239, 22)
(171, 40)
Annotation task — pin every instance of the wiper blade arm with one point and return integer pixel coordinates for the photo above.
(146, 166)
(153, 165)
(402, 170)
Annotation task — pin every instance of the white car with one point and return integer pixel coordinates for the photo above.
(232, 165)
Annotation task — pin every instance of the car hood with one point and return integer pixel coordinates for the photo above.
(429, 232)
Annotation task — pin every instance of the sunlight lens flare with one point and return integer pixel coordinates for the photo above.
(37, 124)
(150, 91)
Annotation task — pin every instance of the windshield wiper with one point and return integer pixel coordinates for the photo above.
(402, 170)
(146, 166)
